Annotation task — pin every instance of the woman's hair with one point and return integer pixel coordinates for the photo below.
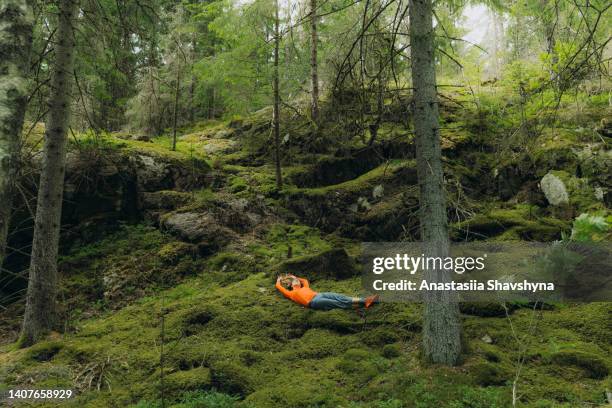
(287, 281)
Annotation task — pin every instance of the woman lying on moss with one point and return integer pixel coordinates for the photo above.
(298, 290)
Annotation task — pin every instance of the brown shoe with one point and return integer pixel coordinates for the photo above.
(371, 300)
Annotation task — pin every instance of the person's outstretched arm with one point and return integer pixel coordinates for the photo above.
(304, 282)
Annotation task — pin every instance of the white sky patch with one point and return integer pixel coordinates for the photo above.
(476, 19)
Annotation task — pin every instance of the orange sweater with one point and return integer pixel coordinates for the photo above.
(300, 294)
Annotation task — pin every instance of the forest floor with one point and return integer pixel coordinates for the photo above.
(187, 285)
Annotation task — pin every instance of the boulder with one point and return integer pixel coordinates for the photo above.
(554, 189)
(334, 263)
(593, 365)
(198, 228)
(152, 174)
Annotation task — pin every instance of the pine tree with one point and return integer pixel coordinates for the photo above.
(441, 326)
(42, 285)
(16, 22)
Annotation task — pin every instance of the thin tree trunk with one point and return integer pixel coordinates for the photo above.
(192, 98)
(192, 83)
(43, 281)
(176, 101)
(276, 108)
(211, 103)
(441, 327)
(16, 23)
(496, 44)
(314, 69)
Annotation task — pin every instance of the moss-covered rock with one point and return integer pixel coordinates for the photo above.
(164, 200)
(45, 351)
(580, 195)
(172, 252)
(334, 263)
(593, 365)
(179, 382)
(488, 374)
(231, 377)
(337, 207)
(524, 222)
(198, 228)
(392, 350)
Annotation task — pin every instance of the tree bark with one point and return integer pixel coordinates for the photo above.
(40, 312)
(276, 108)
(314, 68)
(16, 24)
(441, 327)
(176, 102)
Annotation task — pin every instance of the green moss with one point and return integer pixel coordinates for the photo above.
(365, 181)
(334, 263)
(581, 194)
(360, 365)
(392, 350)
(171, 252)
(45, 351)
(520, 222)
(338, 321)
(379, 336)
(237, 184)
(594, 366)
(226, 327)
(190, 380)
(232, 378)
(488, 374)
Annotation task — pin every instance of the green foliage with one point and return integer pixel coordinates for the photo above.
(588, 228)
(197, 399)
(480, 398)
(211, 399)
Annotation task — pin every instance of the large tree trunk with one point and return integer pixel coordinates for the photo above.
(16, 22)
(441, 327)
(42, 285)
(276, 108)
(314, 70)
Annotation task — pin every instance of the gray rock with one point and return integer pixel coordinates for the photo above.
(151, 174)
(554, 189)
(378, 191)
(165, 199)
(200, 228)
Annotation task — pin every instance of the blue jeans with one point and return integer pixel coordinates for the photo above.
(330, 300)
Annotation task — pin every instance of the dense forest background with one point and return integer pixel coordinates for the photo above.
(162, 161)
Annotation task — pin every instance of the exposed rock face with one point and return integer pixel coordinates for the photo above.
(344, 207)
(151, 174)
(104, 185)
(164, 200)
(345, 166)
(191, 227)
(554, 189)
(156, 173)
(199, 228)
